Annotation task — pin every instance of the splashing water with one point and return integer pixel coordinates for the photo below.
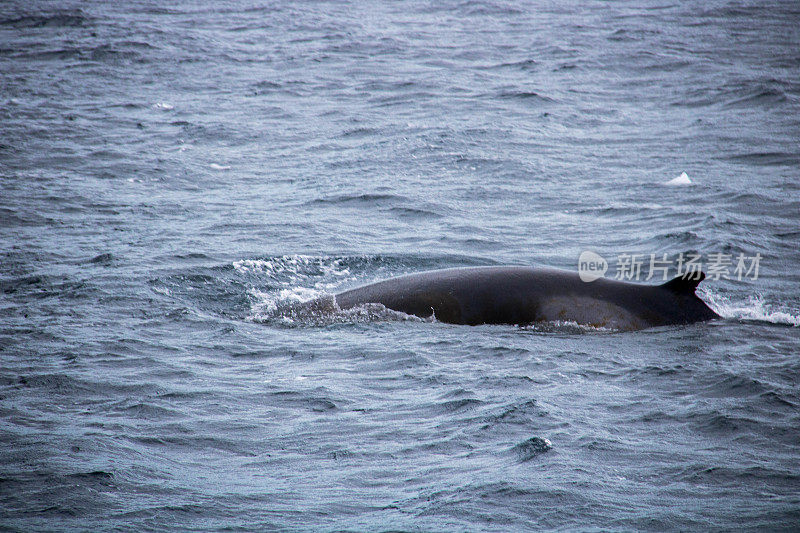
(754, 309)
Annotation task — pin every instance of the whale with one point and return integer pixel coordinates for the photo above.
(521, 295)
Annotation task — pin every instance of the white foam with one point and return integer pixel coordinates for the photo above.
(301, 306)
(164, 106)
(215, 166)
(567, 326)
(270, 305)
(755, 309)
(162, 290)
(376, 313)
(254, 265)
(294, 270)
(683, 179)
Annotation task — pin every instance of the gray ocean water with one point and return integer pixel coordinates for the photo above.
(175, 176)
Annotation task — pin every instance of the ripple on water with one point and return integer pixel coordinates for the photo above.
(531, 448)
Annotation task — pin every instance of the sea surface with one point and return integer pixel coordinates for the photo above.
(176, 176)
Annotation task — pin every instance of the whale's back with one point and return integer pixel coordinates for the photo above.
(524, 295)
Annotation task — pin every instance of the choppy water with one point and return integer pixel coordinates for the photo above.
(175, 177)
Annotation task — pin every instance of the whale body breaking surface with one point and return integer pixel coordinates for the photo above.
(526, 295)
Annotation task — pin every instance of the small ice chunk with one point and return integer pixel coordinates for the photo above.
(683, 179)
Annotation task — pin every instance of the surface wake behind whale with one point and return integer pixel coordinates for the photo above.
(525, 295)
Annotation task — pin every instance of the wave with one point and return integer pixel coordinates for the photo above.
(523, 65)
(740, 94)
(367, 199)
(304, 307)
(530, 96)
(295, 266)
(53, 20)
(531, 448)
(105, 53)
(755, 309)
(767, 158)
(297, 290)
(566, 326)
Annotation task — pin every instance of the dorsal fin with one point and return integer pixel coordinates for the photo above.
(687, 283)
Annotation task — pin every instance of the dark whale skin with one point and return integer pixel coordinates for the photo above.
(526, 295)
